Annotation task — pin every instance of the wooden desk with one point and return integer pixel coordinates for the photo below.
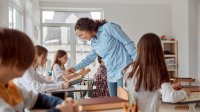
(172, 108)
(192, 88)
(180, 80)
(163, 108)
(191, 101)
(73, 88)
(102, 104)
(112, 110)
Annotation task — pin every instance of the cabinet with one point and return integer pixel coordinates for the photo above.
(170, 55)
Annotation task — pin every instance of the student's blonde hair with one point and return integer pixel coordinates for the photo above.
(16, 49)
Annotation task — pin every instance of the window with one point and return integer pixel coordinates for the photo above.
(19, 3)
(58, 33)
(16, 14)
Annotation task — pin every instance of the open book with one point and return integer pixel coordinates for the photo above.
(102, 103)
(75, 78)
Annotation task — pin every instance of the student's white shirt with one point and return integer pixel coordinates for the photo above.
(57, 73)
(150, 101)
(31, 80)
(29, 100)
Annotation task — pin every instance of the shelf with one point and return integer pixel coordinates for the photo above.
(169, 56)
(168, 41)
(170, 64)
(170, 51)
(171, 70)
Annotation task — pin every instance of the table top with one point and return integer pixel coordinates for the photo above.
(193, 98)
(73, 88)
(192, 88)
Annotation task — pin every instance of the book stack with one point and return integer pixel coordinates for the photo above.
(102, 103)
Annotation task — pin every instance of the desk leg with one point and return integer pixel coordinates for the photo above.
(192, 107)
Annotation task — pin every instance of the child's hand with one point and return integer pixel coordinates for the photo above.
(65, 85)
(187, 91)
(71, 70)
(65, 107)
(177, 86)
(74, 104)
(69, 105)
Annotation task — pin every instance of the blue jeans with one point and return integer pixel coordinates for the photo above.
(112, 87)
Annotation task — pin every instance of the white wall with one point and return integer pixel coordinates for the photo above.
(3, 13)
(199, 40)
(176, 18)
(192, 31)
(184, 28)
(36, 21)
(180, 31)
(32, 20)
(135, 19)
(31, 17)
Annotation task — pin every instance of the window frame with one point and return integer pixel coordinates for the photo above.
(75, 42)
(18, 7)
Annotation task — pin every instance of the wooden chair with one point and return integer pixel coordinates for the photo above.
(123, 94)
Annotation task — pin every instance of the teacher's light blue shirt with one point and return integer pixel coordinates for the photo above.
(114, 46)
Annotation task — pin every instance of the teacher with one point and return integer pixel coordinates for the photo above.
(111, 43)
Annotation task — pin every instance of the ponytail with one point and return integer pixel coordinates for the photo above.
(87, 24)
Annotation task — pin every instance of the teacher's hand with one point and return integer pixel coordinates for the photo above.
(71, 70)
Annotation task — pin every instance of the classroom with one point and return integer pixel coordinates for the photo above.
(100, 50)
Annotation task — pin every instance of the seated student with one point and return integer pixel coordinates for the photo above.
(100, 80)
(148, 78)
(16, 55)
(58, 68)
(31, 80)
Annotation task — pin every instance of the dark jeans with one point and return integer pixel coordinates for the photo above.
(112, 87)
(62, 95)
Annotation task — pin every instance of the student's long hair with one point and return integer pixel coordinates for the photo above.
(149, 68)
(59, 54)
(87, 24)
(99, 59)
(16, 49)
(40, 50)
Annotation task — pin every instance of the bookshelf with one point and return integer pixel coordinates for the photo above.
(170, 55)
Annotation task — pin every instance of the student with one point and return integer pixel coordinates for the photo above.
(111, 43)
(100, 80)
(16, 55)
(33, 81)
(148, 78)
(58, 68)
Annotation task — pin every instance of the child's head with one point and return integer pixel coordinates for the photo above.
(60, 57)
(16, 53)
(41, 55)
(150, 60)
